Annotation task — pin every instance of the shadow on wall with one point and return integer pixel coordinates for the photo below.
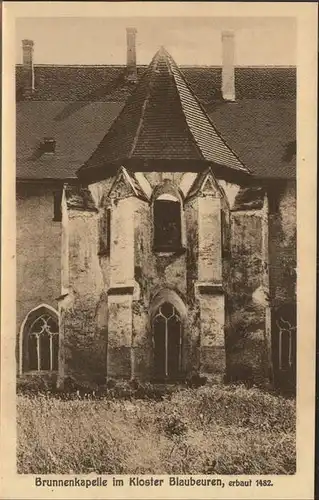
(245, 347)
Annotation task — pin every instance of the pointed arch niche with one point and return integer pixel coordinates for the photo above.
(168, 317)
(168, 223)
(39, 340)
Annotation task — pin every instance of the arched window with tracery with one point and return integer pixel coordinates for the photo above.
(167, 214)
(284, 343)
(167, 336)
(40, 344)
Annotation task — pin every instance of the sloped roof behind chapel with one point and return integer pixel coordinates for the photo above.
(107, 83)
(77, 106)
(162, 120)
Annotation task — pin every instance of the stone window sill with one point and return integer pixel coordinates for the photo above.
(169, 250)
(207, 287)
(104, 253)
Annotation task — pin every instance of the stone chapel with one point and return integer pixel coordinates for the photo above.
(156, 226)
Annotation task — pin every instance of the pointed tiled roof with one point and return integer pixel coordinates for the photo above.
(162, 120)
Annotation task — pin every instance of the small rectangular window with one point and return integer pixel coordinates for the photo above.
(48, 145)
(167, 225)
(108, 229)
(105, 233)
(225, 234)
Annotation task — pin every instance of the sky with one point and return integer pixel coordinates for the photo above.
(190, 40)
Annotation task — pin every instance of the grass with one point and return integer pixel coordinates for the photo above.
(209, 430)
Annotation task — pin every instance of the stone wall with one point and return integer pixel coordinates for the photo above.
(143, 270)
(139, 275)
(261, 279)
(283, 276)
(221, 276)
(192, 348)
(38, 249)
(119, 362)
(153, 273)
(83, 308)
(210, 285)
(282, 242)
(246, 342)
(186, 273)
(132, 276)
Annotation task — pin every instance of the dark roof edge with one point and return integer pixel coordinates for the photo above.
(219, 171)
(96, 174)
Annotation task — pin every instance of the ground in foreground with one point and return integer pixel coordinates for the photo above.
(209, 430)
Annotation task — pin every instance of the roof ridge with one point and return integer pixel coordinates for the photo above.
(191, 136)
(204, 113)
(145, 103)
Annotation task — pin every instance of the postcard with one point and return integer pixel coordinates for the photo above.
(158, 263)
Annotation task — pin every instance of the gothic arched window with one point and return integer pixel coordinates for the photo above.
(167, 211)
(167, 334)
(41, 340)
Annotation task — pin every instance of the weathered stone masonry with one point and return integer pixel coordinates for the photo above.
(106, 312)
